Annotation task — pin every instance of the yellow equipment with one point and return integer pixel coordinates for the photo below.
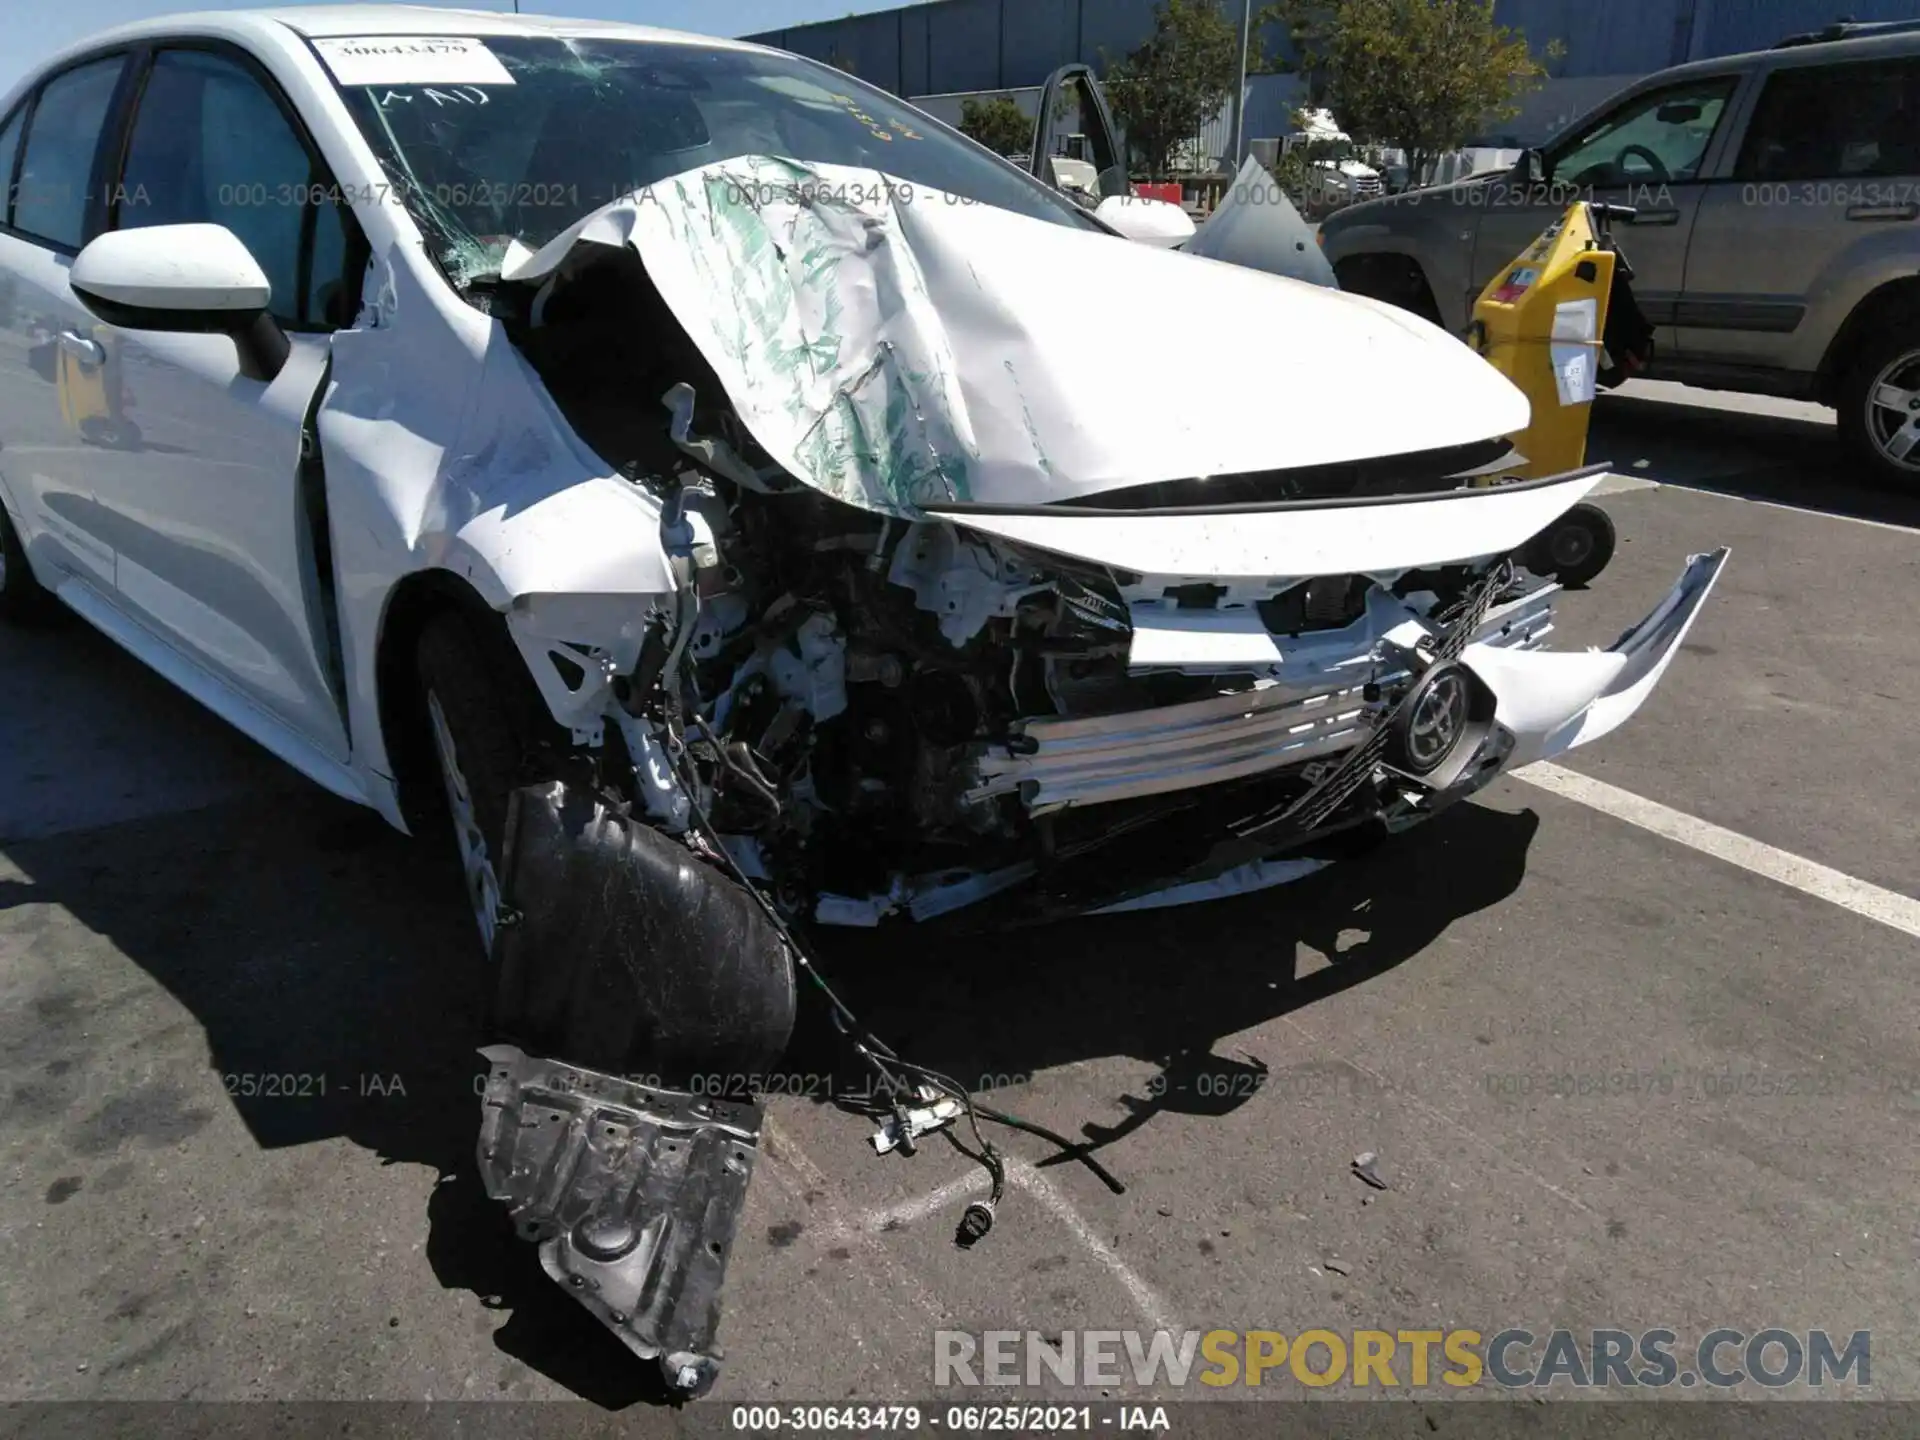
(84, 398)
(1543, 322)
(91, 400)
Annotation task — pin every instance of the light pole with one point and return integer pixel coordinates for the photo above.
(1239, 90)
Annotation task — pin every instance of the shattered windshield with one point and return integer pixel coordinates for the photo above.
(513, 138)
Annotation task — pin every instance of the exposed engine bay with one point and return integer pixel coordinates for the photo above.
(894, 717)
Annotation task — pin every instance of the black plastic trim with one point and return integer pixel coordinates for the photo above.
(1773, 317)
(262, 345)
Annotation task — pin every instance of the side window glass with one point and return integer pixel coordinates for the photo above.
(9, 147)
(210, 145)
(1656, 139)
(330, 299)
(51, 201)
(1835, 122)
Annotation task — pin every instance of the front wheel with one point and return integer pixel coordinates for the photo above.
(480, 727)
(21, 596)
(1879, 405)
(1396, 279)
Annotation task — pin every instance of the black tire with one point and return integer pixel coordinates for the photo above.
(22, 600)
(1869, 431)
(1392, 278)
(1575, 548)
(493, 718)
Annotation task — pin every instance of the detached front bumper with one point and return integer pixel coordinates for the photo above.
(1551, 701)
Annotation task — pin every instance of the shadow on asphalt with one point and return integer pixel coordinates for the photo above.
(1164, 986)
(308, 940)
(1777, 458)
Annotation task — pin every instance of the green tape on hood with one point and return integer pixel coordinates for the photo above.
(805, 299)
(897, 347)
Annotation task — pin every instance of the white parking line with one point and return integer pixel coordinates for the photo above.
(1024, 1177)
(1704, 487)
(783, 1151)
(889, 1217)
(1154, 1310)
(1616, 482)
(1889, 907)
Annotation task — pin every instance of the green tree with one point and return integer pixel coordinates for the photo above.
(998, 123)
(1422, 75)
(1178, 79)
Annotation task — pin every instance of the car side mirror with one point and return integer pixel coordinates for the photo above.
(1531, 168)
(193, 279)
(1152, 222)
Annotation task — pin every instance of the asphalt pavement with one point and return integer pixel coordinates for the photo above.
(1613, 1080)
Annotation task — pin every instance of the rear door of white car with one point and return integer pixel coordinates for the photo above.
(220, 549)
(55, 393)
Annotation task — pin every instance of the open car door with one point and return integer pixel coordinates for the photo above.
(1076, 147)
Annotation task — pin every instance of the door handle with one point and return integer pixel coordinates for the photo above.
(88, 353)
(1655, 217)
(1882, 212)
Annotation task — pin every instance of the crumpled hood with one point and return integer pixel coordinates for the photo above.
(897, 347)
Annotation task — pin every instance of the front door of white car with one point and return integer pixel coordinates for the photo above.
(218, 550)
(53, 379)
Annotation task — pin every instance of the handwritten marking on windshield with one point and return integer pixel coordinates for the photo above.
(455, 95)
(874, 126)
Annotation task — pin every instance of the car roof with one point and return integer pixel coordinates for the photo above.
(1848, 50)
(317, 21)
(1891, 45)
(320, 21)
(1853, 50)
(270, 27)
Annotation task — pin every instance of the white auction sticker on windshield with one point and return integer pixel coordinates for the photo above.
(411, 60)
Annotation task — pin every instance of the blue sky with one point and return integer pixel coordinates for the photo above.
(38, 30)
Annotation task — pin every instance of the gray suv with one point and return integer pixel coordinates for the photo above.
(1776, 239)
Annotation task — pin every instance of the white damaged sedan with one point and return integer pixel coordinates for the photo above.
(741, 504)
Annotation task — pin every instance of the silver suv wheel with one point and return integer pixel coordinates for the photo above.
(1893, 411)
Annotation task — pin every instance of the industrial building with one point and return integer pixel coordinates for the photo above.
(934, 52)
